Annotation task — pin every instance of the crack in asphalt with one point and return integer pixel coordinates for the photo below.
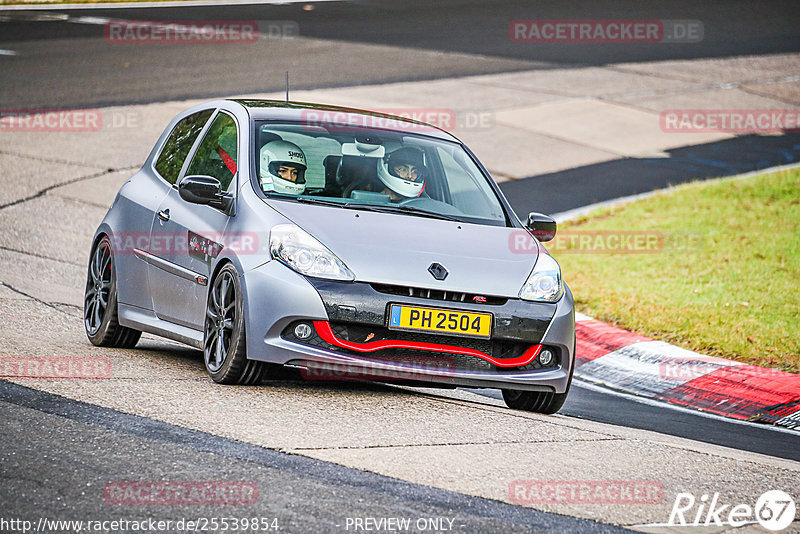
(566, 139)
(40, 256)
(49, 160)
(780, 99)
(156, 380)
(68, 182)
(40, 301)
(699, 87)
(614, 97)
(451, 444)
(83, 202)
(74, 310)
(505, 411)
(625, 69)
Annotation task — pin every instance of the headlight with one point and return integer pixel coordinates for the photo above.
(297, 249)
(544, 283)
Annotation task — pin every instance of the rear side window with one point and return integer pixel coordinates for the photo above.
(179, 143)
(217, 155)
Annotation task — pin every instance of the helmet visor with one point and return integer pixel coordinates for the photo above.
(288, 170)
(407, 171)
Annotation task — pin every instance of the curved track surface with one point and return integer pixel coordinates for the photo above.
(320, 453)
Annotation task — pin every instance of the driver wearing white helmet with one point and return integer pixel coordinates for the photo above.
(283, 168)
(403, 173)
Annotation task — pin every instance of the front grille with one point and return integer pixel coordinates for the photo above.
(359, 333)
(438, 294)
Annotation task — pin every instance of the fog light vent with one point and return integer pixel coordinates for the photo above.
(546, 357)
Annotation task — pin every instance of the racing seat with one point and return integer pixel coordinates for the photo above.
(333, 188)
(360, 174)
(267, 137)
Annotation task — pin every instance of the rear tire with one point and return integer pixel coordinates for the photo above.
(224, 345)
(100, 302)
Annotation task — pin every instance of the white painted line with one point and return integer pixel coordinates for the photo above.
(7, 52)
(649, 368)
(495, 394)
(569, 215)
(100, 21)
(660, 404)
(127, 5)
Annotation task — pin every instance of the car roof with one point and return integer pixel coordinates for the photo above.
(298, 111)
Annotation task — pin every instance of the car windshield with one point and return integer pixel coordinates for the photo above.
(373, 169)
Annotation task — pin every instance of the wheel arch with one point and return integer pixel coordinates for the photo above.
(104, 230)
(221, 263)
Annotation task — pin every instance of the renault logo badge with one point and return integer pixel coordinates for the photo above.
(438, 271)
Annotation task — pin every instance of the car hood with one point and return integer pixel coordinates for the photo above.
(398, 249)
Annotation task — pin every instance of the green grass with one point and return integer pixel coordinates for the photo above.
(734, 293)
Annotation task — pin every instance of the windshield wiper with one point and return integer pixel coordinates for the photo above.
(312, 200)
(383, 208)
(404, 209)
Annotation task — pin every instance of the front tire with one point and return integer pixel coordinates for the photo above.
(100, 302)
(540, 401)
(534, 401)
(225, 346)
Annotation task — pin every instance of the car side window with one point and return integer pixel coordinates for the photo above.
(217, 155)
(179, 143)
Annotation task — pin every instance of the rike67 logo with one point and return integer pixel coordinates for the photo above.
(774, 510)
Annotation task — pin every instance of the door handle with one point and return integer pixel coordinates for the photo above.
(163, 215)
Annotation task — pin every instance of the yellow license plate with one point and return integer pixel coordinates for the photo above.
(402, 317)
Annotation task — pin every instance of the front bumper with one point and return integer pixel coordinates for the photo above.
(277, 298)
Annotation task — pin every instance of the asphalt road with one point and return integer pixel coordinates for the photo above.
(63, 60)
(64, 63)
(595, 404)
(349, 43)
(574, 188)
(82, 448)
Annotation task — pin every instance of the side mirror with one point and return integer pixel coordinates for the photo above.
(542, 226)
(199, 189)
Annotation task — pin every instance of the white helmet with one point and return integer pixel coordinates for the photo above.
(277, 154)
(403, 186)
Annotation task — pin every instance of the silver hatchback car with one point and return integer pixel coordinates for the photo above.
(343, 243)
